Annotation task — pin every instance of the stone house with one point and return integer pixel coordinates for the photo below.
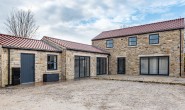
(30, 57)
(28, 60)
(80, 60)
(150, 49)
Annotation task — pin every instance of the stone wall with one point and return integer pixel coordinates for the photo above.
(70, 59)
(63, 64)
(40, 63)
(169, 45)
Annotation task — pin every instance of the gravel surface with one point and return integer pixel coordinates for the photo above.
(91, 94)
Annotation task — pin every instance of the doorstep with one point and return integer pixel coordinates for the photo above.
(144, 79)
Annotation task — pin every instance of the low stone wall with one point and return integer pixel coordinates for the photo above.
(40, 63)
(70, 58)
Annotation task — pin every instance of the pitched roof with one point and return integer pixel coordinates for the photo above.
(9, 41)
(147, 28)
(75, 46)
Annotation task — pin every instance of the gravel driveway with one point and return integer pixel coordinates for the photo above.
(91, 94)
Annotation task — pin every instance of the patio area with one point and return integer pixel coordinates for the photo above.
(144, 79)
(91, 94)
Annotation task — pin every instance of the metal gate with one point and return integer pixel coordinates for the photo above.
(27, 68)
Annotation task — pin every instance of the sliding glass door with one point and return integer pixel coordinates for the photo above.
(82, 66)
(154, 65)
(101, 66)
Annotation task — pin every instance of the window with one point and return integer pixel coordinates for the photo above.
(109, 43)
(52, 62)
(132, 41)
(154, 65)
(154, 39)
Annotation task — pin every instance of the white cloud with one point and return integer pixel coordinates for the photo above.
(81, 20)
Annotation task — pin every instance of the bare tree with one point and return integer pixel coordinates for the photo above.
(21, 23)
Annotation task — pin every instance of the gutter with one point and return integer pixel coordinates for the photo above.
(87, 51)
(42, 50)
(180, 51)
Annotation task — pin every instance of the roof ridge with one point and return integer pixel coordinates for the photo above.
(18, 37)
(66, 40)
(145, 24)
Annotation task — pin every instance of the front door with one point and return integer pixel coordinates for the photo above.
(121, 65)
(27, 68)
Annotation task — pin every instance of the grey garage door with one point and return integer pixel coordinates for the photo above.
(27, 68)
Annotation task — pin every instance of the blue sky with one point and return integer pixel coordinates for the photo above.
(81, 20)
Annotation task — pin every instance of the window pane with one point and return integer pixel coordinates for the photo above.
(144, 65)
(154, 41)
(153, 65)
(52, 62)
(154, 36)
(50, 66)
(132, 43)
(163, 65)
(109, 43)
(51, 58)
(88, 66)
(104, 65)
(55, 58)
(82, 65)
(55, 65)
(76, 67)
(97, 66)
(132, 39)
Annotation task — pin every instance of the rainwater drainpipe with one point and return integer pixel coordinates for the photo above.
(180, 50)
(8, 66)
(108, 63)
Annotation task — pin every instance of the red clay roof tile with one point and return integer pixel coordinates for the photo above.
(147, 28)
(74, 45)
(24, 43)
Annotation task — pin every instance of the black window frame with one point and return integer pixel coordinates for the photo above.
(108, 43)
(103, 61)
(124, 63)
(52, 62)
(153, 39)
(132, 41)
(148, 57)
(85, 58)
